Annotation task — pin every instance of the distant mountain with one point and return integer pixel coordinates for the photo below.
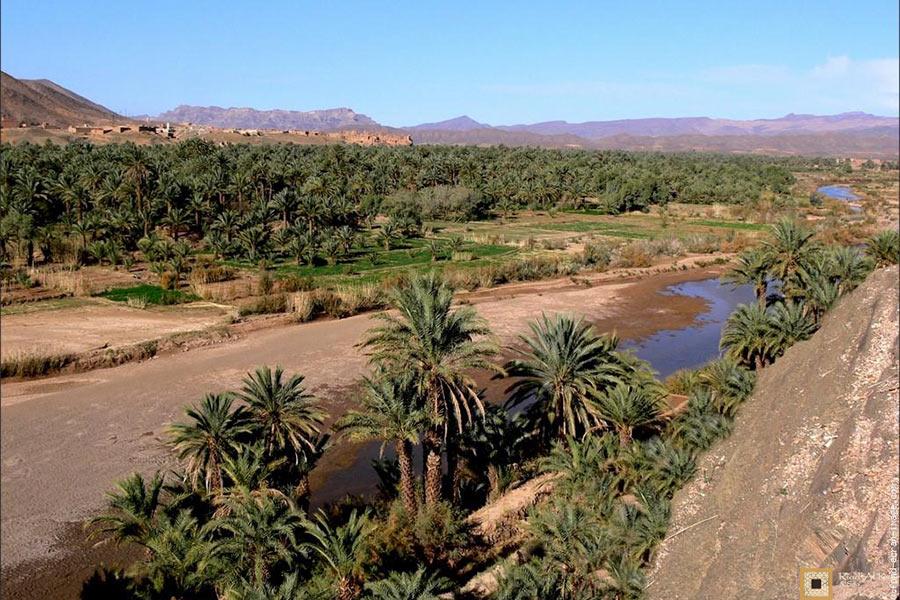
(657, 127)
(249, 118)
(463, 123)
(37, 101)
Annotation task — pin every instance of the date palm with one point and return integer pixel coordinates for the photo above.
(789, 324)
(408, 586)
(282, 415)
(258, 537)
(751, 269)
(626, 407)
(440, 346)
(747, 337)
(563, 361)
(131, 510)
(884, 248)
(392, 412)
(788, 252)
(342, 550)
(214, 431)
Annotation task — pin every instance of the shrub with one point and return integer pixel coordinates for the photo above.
(296, 283)
(303, 305)
(167, 280)
(33, 364)
(461, 256)
(263, 305)
(596, 255)
(265, 284)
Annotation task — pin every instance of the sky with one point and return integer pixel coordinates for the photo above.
(404, 63)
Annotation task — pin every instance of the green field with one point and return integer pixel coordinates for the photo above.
(151, 294)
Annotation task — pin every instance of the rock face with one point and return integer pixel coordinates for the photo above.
(35, 101)
(249, 118)
(809, 476)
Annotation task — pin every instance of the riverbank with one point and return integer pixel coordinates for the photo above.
(67, 439)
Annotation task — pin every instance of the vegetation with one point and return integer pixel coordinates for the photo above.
(234, 520)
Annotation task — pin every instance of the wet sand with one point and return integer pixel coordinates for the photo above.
(67, 440)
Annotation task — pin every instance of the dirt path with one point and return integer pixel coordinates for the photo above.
(94, 323)
(66, 440)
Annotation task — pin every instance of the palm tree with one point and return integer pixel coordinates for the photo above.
(390, 411)
(342, 549)
(214, 431)
(181, 561)
(563, 361)
(281, 413)
(788, 252)
(747, 336)
(439, 346)
(131, 510)
(626, 407)
(789, 324)
(751, 269)
(258, 536)
(849, 267)
(420, 585)
(884, 248)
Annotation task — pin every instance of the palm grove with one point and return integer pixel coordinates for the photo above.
(86, 204)
(234, 520)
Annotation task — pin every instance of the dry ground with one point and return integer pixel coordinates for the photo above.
(66, 440)
(78, 325)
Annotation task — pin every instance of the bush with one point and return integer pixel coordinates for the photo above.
(33, 364)
(264, 305)
(265, 284)
(296, 283)
(167, 280)
(596, 255)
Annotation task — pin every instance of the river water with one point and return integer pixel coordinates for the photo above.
(666, 351)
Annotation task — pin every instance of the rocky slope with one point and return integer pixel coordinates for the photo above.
(249, 118)
(809, 476)
(37, 101)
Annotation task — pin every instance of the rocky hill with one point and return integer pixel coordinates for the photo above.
(249, 118)
(809, 476)
(37, 101)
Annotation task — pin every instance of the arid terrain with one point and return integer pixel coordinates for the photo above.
(113, 420)
(809, 476)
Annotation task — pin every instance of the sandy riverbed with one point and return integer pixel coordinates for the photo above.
(67, 439)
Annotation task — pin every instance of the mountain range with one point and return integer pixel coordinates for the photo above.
(860, 134)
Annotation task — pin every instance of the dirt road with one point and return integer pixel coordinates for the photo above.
(66, 440)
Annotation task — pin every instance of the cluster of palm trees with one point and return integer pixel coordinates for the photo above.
(235, 520)
(796, 280)
(301, 201)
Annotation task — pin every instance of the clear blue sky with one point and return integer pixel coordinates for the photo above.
(499, 62)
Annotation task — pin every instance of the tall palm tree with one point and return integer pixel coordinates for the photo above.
(342, 550)
(281, 413)
(563, 361)
(747, 336)
(788, 251)
(391, 412)
(626, 407)
(213, 432)
(420, 585)
(751, 269)
(439, 345)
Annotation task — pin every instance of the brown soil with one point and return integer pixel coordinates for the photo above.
(809, 477)
(97, 323)
(66, 440)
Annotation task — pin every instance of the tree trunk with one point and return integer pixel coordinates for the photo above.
(302, 493)
(407, 484)
(624, 436)
(759, 362)
(493, 476)
(433, 467)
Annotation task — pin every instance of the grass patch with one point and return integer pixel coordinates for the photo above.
(731, 225)
(608, 229)
(151, 294)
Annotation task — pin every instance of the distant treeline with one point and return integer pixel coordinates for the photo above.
(129, 191)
